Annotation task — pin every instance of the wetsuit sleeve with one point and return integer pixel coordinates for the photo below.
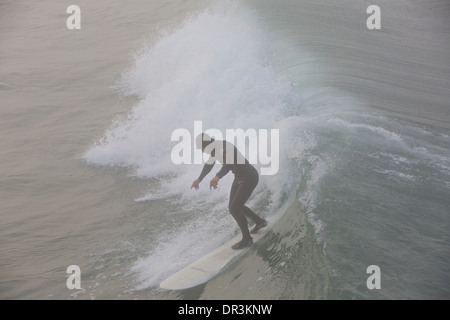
(225, 169)
(206, 169)
(226, 166)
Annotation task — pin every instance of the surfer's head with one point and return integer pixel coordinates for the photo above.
(202, 141)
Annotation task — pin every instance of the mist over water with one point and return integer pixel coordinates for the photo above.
(363, 117)
(213, 68)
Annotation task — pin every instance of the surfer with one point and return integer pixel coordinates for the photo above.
(245, 180)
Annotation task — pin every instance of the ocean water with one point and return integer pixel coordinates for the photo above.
(364, 151)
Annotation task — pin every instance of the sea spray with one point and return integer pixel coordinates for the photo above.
(212, 68)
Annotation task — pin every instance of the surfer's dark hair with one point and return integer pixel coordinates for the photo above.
(203, 140)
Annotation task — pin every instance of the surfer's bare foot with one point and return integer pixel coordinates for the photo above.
(258, 226)
(242, 244)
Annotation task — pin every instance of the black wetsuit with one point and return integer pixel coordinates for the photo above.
(245, 181)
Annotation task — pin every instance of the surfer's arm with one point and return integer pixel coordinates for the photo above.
(213, 183)
(225, 169)
(206, 169)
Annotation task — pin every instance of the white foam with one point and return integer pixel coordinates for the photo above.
(361, 127)
(394, 173)
(209, 69)
(311, 196)
(170, 255)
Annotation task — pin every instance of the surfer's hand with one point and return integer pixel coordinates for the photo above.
(195, 184)
(213, 183)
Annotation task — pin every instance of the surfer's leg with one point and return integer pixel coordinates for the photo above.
(251, 183)
(250, 214)
(236, 209)
(236, 206)
(259, 222)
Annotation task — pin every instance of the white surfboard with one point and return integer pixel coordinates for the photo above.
(210, 265)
